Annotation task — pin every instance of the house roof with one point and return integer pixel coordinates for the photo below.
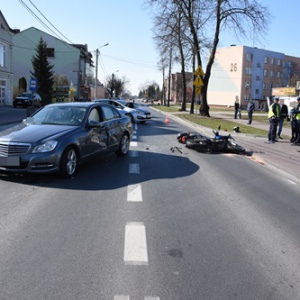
(4, 25)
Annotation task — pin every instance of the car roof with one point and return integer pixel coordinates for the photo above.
(76, 104)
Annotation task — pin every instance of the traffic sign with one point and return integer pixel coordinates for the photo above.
(33, 85)
(198, 90)
(198, 81)
(199, 71)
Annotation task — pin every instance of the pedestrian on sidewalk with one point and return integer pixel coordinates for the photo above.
(283, 115)
(292, 117)
(297, 114)
(236, 108)
(250, 109)
(273, 116)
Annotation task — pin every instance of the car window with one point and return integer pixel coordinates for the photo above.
(109, 113)
(94, 115)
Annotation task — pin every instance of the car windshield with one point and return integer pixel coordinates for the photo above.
(26, 94)
(59, 115)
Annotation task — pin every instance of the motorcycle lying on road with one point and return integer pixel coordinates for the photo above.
(219, 143)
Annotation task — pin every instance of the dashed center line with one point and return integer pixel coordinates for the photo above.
(134, 168)
(134, 193)
(126, 297)
(135, 247)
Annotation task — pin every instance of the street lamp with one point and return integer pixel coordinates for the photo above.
(96, 69)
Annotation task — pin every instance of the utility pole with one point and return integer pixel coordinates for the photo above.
(97, 52)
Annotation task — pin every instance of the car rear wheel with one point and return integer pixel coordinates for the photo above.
(124, 146)
(68, 163)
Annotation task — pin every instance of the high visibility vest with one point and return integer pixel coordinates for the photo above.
(297, 110)
(271, 113)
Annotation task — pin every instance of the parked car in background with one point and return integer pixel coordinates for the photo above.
(135, 106)
(28, 99)
(136, 115)
(60, 136)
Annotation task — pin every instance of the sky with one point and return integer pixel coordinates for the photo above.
(127, 27)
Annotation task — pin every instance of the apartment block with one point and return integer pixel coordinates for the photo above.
(247, 73)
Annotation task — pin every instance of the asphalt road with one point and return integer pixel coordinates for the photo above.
(162, 223)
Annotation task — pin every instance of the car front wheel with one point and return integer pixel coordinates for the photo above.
(68, 163)
(124, 146)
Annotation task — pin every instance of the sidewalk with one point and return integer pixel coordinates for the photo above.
(281, 156)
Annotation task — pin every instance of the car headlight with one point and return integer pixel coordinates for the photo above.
(46, 147)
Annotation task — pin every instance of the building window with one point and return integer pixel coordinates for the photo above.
(278, 75)
(247, 84)
(264, 86)
(257, 78)
(248, 71)
(279, 62)
(258, 65)
(272, 61)
(247, 97)
(249, 57)
(265, 73)
(265, 60)
(271, 73)
(256, 91)
(50, 52)
(2, 55)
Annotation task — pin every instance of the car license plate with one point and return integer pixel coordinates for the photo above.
(13, 161)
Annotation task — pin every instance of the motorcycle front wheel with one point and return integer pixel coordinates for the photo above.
(235, 148)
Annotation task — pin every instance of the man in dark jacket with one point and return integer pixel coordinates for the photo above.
(250, 109)
(283, 115)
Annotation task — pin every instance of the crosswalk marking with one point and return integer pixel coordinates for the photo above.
(134, 193)
(135, 247)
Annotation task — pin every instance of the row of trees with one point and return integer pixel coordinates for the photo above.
(188, 30)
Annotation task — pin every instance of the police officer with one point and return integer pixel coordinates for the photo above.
(297, 116)
(273, 116)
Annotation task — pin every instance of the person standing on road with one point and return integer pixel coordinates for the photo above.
(273, 116)
(297, 116)
(236, 108)
(250, 109)
(283, 115)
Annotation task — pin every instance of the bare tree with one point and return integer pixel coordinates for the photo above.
(208, 18)
(115, 86)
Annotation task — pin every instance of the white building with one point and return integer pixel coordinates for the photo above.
(243, 73)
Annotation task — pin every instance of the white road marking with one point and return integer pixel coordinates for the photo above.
(134, 193)
(121, 297)
(135, 247)
(134, 168)
(133, 144)
(126, 297)
(292, 182)
(134, 137)
(135, 127)
(134, 153)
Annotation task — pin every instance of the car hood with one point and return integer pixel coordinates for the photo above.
(33, 133)
(142, 109)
